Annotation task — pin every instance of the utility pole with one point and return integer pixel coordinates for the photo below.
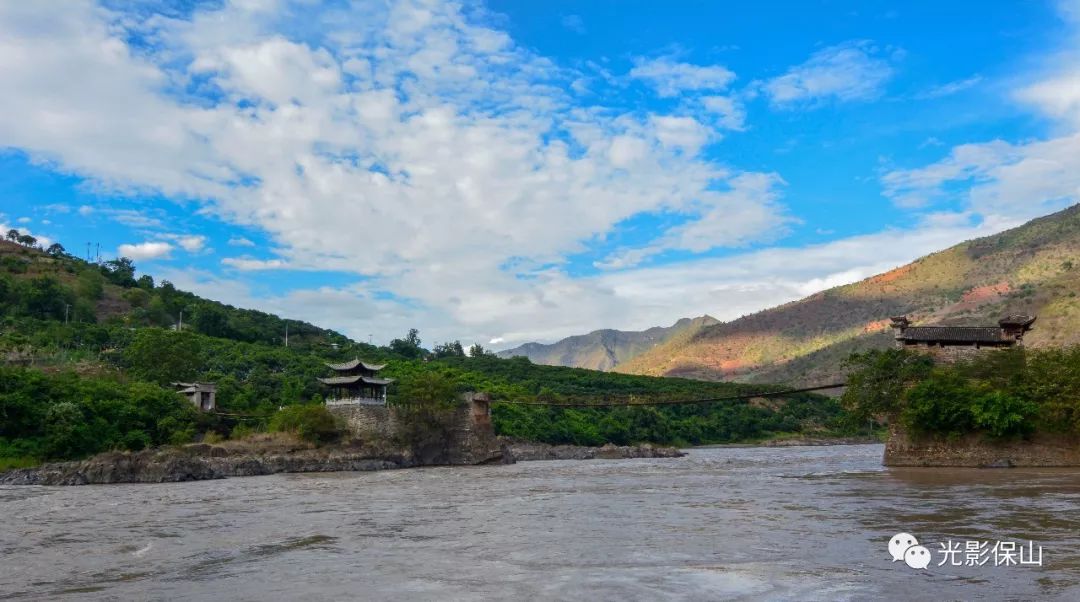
(286, 333)
(180, 326)
(369, 339)
(67, 306)
(88, 252)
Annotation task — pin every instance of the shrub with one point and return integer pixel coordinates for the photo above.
(1002, 415)
(243, 431)
(309, 422)
(940, 404)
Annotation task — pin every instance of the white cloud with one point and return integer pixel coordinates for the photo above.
(132, 217)
(722, 219)
(249, 264)
(671, 78)
(240, 241)
(191, 243)
(997, 178)
(145, 250)
(729, 111)
(85, 210)
(24, 220)
(1004, 181)
(1058, 97)
(845, 72)
(683, 133)
(951, 88)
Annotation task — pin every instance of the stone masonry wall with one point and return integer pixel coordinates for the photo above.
(472, 438)
(901, 449)
(951, 354)
(367, 421)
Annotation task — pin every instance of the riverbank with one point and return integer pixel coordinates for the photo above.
(200, 461)
(527, 451)
(976, 450)
(799, 442)
(272, 454)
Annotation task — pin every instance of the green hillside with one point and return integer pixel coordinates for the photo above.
(88, 352)
(605, 349)
(1033, 269)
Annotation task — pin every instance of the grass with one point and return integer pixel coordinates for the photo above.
(13, 462)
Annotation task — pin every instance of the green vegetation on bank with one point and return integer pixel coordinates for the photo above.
(90, 351)
(1000, 394)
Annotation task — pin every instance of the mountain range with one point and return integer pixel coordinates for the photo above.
(607, 348)
(1032, 269)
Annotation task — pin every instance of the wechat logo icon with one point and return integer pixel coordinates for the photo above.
(904, 546)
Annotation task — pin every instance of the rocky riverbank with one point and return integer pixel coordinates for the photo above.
(275, 454)
(803, 442)
(525, 451)
(197, 463)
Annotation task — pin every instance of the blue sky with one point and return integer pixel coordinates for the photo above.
(510, 171)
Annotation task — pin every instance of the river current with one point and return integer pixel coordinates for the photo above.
(805, 523)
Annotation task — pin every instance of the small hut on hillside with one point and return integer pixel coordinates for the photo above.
(202, 395)
(356, 382)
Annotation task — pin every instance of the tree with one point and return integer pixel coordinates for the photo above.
(409, 346)
(879, 379)
(453, 349)
(145, 282)
(476, 350)
(56, 250)
(211, 320)
(44, 297)
(120, 271)
(13, 235)
(26, 240)
(425, 404)
(163, 356)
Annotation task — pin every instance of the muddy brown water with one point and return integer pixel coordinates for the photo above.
(807, 523)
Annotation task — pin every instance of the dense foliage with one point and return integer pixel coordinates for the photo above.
(1002, 394)
(67, 415)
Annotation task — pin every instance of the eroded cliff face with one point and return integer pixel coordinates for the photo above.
(977, 451)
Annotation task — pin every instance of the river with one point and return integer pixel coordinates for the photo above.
(806, 523)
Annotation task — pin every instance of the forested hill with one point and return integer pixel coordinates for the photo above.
(54, 285)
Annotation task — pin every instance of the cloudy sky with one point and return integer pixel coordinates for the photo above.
(506, 171)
